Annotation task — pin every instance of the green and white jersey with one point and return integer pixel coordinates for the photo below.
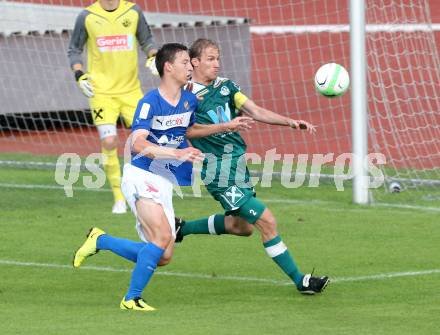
(218, 104)
(224, 165)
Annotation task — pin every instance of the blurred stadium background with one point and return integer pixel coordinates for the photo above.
(271, 48)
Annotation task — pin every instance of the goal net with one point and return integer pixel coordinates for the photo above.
(272, 49)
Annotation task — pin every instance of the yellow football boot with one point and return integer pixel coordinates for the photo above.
(88, 248)
(136, 304)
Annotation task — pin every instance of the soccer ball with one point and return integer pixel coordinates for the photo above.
(395, 187)
(332, 80)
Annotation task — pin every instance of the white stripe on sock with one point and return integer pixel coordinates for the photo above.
(276, 249)
(211, 226)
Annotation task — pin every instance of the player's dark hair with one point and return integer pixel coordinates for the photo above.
(196, 49)
(167, 53)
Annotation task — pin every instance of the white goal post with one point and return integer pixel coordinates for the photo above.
(359, 117)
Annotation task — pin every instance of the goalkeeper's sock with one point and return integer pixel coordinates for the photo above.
(147, 260)
(215, 225)
(113, 172)
(277, 250)
(120, 246)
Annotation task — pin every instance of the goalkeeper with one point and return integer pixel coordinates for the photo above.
(111, 30)
(219, 101)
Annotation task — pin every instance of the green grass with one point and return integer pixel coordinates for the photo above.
(319, 225)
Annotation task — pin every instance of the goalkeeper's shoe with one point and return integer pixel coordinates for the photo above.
(88, 248)
(312, 285)
(119, 207)
(179, 223)
(136, 304)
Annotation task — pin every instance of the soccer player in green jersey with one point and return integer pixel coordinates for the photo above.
(220, 100)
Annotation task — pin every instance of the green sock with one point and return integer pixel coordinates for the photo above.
(277, 250)
(215, 225)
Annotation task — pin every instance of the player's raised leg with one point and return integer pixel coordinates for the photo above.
(253, 212)
(88, 248)
(216, 224)
(98, 240)
(277, 250)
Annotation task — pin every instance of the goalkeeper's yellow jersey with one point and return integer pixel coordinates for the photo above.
(112, 40)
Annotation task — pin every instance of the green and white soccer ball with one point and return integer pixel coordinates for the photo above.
(332, 80)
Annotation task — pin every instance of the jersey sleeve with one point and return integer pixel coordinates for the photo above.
(237, 97)
(143, 115)
(194, 106)
(78, 39)
(192, 119)
(143, 32)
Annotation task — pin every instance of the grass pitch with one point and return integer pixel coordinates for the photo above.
(384, 264)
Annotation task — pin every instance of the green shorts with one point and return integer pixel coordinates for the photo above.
(241, 202)
(251, 210)
(237, 199)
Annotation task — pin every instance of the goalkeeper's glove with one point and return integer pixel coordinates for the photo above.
(151, 65)
(84, 84)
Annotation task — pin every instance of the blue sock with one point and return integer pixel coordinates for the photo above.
(277, 250)
(147, 260)
(120, 246)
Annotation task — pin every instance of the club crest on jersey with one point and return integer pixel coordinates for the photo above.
(224, 91)
(126, 23)
(186, 105)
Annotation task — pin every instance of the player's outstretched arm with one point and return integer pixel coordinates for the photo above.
(142, 147)
(241, 123)
(264, 115)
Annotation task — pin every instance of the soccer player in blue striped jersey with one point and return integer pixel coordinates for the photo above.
(160, 158)
(221, 100)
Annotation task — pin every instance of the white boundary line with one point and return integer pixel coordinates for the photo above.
(380, 276)
(271, 200)
(385, 204)
(51, 187)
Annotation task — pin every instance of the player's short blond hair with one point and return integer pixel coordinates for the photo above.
(196, 49)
